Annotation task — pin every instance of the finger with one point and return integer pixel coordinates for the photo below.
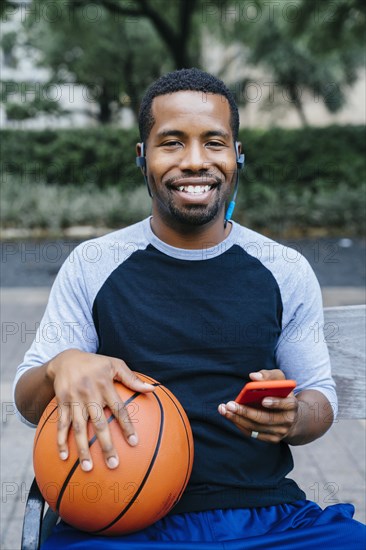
(266, 437)
(79, 426)
(102, 431)
(63, 426)
(129, 378)
(120, 412)
(248, 413)
(264, 432)
(284, 403)
(257, 419)
(272, 426)
(274, 374)
(231, 412)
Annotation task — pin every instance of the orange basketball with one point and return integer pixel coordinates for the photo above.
(149, 480)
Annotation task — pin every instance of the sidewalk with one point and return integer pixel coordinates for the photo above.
(329, 470)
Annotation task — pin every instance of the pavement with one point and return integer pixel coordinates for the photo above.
(329, 470)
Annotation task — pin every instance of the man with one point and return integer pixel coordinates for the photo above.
(202, 305)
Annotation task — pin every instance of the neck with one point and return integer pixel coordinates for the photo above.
(192, 237)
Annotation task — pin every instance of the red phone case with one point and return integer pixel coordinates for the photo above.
(253, 392)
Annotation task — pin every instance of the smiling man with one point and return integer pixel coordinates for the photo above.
(203, 305)
(191, 167)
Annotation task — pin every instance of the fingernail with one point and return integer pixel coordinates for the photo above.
(231, 406)
(150, 386)
(222, 409)
(64, 455)
(86, 465)
(112, 462)
(256, 375)
(133, 440)
(267, 402)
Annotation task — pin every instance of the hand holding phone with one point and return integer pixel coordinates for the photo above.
(253, 393)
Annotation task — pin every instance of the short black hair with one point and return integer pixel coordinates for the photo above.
(185, 80)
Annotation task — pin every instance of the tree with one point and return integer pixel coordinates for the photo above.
(305, 46)
(295, 69)
(112, 49)
(94, 51)
(173, 22)
(332, 26)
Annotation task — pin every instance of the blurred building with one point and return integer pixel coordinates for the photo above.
(266, 104)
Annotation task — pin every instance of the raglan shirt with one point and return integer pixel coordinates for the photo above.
(198, 321)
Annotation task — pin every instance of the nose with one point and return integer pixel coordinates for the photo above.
(193, 158)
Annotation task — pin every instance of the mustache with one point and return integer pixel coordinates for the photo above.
(206, 176)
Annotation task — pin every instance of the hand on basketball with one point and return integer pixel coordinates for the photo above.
(272, 423)
(83, 384)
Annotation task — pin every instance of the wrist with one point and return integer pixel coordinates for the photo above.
(296, 433)
(53, 364)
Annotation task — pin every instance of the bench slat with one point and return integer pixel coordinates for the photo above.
(345, 330)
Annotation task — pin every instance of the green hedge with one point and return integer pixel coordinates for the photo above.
(305, 157)
(285, 159)
(293, 179)
(103, 156)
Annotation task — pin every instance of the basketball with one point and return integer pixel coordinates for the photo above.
(149, 480)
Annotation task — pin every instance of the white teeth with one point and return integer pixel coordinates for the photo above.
(195, 189)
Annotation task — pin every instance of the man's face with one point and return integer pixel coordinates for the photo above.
(190, 155)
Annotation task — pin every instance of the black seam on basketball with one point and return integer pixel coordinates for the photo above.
(147, 473)
(43, 425)
(189, 445)
(77, 462)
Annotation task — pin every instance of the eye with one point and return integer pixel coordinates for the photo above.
(171, 143)
(215, 144)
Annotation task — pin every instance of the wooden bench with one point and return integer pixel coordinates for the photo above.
(344, 332)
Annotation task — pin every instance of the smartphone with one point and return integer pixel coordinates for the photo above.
(253, 393)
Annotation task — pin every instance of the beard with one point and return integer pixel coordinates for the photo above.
(195, 214)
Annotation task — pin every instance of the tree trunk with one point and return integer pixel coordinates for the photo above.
(175, 40)
(300, 109)
(104, 102)
(293, 92)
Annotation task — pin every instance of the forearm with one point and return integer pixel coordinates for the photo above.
(33, 392)
(314, 418)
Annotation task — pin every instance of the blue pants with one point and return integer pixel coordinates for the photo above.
(301, 525)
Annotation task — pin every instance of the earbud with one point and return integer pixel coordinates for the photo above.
(240, 158)
(141, 160)
(141, 163)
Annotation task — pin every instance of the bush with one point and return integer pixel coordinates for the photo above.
(102, 156)
(306, 158)
(292, 178)
(106, 156)
(54, 207)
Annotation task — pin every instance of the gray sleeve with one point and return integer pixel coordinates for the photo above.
(67, 322)
(302, 351)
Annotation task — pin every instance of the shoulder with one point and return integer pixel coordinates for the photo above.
(274, 255)
(112, 249)
(91, 263)
(292, 271)
(132, 238)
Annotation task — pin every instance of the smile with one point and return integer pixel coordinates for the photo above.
(194, 189)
